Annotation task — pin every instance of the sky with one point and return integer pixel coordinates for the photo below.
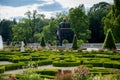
(10, 9)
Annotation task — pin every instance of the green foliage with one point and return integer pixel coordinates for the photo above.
(29, 29)
(80, 42)
(43, 42)
(6, 29)
(74, 45)
(65, 41)
(79, 23)
(49, 31)
(109, 42)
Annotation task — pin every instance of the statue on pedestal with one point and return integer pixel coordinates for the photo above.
(1, 43)
(22, 47)
(64, 31)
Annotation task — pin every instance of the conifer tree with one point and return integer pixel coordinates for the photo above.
(75, 46)
(43, 42)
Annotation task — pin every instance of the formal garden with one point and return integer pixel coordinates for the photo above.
(35, 48)
(92, 65)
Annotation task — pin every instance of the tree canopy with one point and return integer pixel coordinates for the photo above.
(95, 15)
(79, 22)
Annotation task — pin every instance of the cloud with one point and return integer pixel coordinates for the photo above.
(17, 8)
(52, 7)
(74, 3)
(17, 3)
(9, 12)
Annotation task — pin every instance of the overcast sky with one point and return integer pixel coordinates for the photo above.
(16, 8)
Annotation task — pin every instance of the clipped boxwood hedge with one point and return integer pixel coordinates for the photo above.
(50, 72)
(44, 62)
(2, 69)
(66, 64)
(108, 64)
(14, 66)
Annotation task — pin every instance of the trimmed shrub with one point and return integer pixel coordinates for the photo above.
(43, 42)
(74, 45)
(109, 42)
(2, 69)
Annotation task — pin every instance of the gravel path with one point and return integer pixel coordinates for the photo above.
(5, 62)
(20, 71)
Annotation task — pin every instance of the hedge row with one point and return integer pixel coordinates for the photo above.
(66, 64)
(17, 59)
(50, 72)
(2, 69)
(14, 66)
(44, 62)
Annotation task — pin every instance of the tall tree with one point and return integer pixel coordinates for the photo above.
(6, 29)
(29, 29)
(112, 20)
(79, 22)
(49, 31)
(95, 14)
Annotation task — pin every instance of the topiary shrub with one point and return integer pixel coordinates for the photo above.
(109, 42)
(75, 46)
(43, 42)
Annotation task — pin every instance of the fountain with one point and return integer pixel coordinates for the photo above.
(1, 43)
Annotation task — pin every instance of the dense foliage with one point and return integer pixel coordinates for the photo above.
(95, 15)
(79, 22)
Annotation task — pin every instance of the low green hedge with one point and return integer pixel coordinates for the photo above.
(66, 64)
(108, 64)
(115, 57)
(2, 69)
(44, 62)
(17, 59)
(97, 64)
(14, 66)
(4, 58)
(50, 72)
(38, 58)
